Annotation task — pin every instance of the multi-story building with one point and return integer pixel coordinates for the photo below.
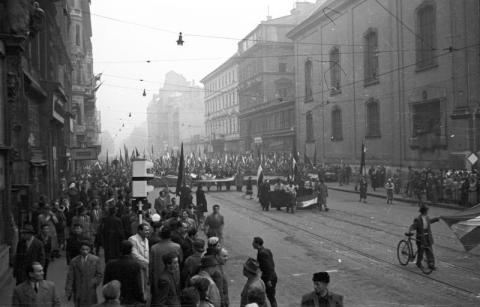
(401, 76)
(35, 95)
(86, 126)
(221, 107)
(175, 114)
(266, 91)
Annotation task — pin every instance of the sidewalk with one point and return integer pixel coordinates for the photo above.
(381, 193)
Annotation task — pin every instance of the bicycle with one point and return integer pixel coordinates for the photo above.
(406, 253)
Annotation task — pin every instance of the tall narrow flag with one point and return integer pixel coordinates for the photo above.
(259, 175)
(306, 159)
(136, 153)
(362, 158)
(294, 161)
(121, 158)
(466, 226)
(126, 154)
(315, 155)
(181, 167)
(108, 164)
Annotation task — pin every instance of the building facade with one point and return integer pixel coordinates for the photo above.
(86, 117)
(175, 114)
(35, 105)
(266, 87)
(400, 76)
(221, 107)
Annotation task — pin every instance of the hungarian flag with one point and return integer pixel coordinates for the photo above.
(466, 226)
(362, 158)
(315, 155)
(306, 159)
(259, 175)
(121, 158)
(181, 167)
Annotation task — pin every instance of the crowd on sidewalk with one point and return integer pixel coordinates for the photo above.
(159, 254)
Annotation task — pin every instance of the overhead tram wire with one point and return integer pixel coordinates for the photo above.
(218, 36)
(322, 91)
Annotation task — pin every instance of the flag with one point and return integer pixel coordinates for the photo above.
(136, 153)
(121, 158)
(259, 175)
(181, 167)
(315, 155)
(466, 226)
(152, 151)
(294, 161)
(126, 153)
(108, 164)
(362, 158)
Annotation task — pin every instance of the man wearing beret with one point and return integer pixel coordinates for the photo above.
(321, 297)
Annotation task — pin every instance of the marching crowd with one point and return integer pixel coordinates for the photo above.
(160, 254)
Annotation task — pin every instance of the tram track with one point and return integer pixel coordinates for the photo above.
(393, 266)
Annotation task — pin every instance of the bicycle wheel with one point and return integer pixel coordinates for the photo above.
(404, 252)
(426, 269)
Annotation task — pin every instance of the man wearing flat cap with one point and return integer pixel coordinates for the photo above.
(321, 297)
(421, 225)
(29, 249)
(208, 268)
(251, 270)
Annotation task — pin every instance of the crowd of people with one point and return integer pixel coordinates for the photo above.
(165, 253)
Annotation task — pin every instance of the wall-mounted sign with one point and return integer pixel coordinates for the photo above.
(88, 153)
(57, 108)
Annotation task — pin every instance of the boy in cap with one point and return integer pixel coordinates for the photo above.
(321, 296)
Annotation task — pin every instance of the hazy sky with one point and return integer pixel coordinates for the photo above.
(121, 48)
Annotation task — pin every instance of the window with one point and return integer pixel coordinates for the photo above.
(309, 128)
(334, 70)
(282, 67)
(337, 133)
(427, 119)
(77, 35)
(308, 81)
(371, 57)
(426, 35)
(373, 119)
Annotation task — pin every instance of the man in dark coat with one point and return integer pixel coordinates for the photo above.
(46, 239)
(168, 292)
(29, 249)
(267, 266)
(112, 234)
(201, 203)
(74, 242)
(128, 272)
(321, 296)
(421, 225)
(264, 195)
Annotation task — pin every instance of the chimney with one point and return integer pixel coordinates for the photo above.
(302, 7)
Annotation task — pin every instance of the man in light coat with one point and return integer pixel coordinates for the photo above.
(35, 292)
(141, 253)
(85, 274)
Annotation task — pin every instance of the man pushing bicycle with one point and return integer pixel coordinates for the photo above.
(421, 225)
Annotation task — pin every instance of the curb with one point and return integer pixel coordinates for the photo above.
(400, 199)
